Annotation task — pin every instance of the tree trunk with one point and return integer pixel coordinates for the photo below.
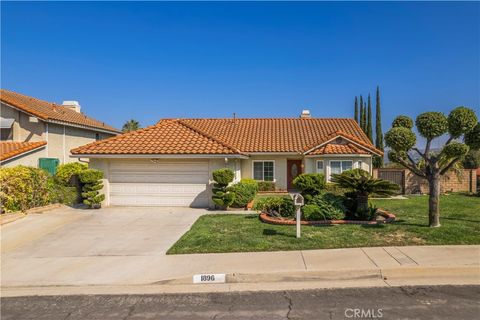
(434, 200)
(362, 202)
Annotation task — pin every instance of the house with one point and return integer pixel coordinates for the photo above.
(171, 162)
(33, 129)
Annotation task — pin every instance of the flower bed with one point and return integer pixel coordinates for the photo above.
(388, 218)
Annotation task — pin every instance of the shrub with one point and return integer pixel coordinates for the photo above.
(65, 172)
(275, 206)
(244, 193)
(59, 193)
(366, 214)
(310, 184)
(92, 184)
(266, 186)
(223, 176)
(250, 181)
(335, 189)
(321, 211)
(222, 197)
(23, 188)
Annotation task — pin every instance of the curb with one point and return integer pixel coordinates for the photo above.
(306, 280)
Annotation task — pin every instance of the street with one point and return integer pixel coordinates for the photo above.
(426, 302)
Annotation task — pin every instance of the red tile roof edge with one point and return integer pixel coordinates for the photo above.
(23, 148)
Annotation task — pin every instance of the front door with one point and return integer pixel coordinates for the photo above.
(294, 168)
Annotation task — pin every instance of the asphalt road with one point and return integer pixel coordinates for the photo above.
(436, 302)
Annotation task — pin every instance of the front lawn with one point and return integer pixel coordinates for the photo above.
(460, 218)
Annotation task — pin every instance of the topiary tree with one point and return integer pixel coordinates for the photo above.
(65, 172)
(92, 184)
(401, 139)
(222, 197)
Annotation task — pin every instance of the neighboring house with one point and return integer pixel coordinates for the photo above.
(32, 129)
(171, 163)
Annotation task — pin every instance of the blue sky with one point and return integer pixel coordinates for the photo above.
(152, 60)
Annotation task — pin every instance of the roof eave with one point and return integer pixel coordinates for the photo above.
(160, 156)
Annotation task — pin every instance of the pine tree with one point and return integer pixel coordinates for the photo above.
(360, 120)
(355, 115)
(378, 161)
(369, 120)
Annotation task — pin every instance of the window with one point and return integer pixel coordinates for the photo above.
(97, 136)
(264, 170)
(6, 134)
(337, 167)
(320, 166)
(359, 164)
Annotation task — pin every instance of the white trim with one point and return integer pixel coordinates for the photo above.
(153, 156)
(323, 166)
(340, 136)
(263, 174)
(23, 154)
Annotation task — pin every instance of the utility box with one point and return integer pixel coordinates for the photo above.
(49, 164)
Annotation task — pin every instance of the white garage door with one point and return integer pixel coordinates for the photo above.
(143, 183)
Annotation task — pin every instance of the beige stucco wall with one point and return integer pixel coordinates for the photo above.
(23, 129)
(60, 139)
(60, 146)
(29, 159)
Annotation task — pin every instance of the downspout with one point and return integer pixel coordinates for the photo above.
(46, 130)
(64, 144)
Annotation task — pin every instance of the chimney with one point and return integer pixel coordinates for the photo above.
(305, 114)
(72, 105)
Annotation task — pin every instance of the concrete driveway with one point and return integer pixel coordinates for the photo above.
(77, 246)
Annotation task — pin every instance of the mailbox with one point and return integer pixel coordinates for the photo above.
(298, 200)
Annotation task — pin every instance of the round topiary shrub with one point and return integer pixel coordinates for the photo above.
(400, 138)
(431, 124)
(472, 138)
(461, 120)
(92, 184)
(403, 122)
(222, 197)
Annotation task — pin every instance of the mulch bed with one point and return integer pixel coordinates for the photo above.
(388, 217)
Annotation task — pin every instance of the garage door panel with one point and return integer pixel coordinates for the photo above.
(155, 177)
(143, 183)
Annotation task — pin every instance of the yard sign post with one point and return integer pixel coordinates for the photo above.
(299, 202)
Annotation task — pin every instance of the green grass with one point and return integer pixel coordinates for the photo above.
(460, 219)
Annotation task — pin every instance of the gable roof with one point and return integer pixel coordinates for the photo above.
(235, 136)
(166, 137)
(51, 112)
(9, 149)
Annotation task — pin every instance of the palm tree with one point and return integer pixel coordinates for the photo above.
(362, 184)
(131, 125)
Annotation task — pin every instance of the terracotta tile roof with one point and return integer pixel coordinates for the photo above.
(10, 149)
(166, 137)
(227, 136)
(332, 148)
(339, 134)
(51, 111)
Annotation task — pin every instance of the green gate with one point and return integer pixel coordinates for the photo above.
(49, 164)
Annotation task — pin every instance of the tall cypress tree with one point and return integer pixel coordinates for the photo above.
(364, 117)
(355, 115)
(369, 120)
(378, 161)
(360, 120)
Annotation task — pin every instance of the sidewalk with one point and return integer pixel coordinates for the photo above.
(356, 267)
